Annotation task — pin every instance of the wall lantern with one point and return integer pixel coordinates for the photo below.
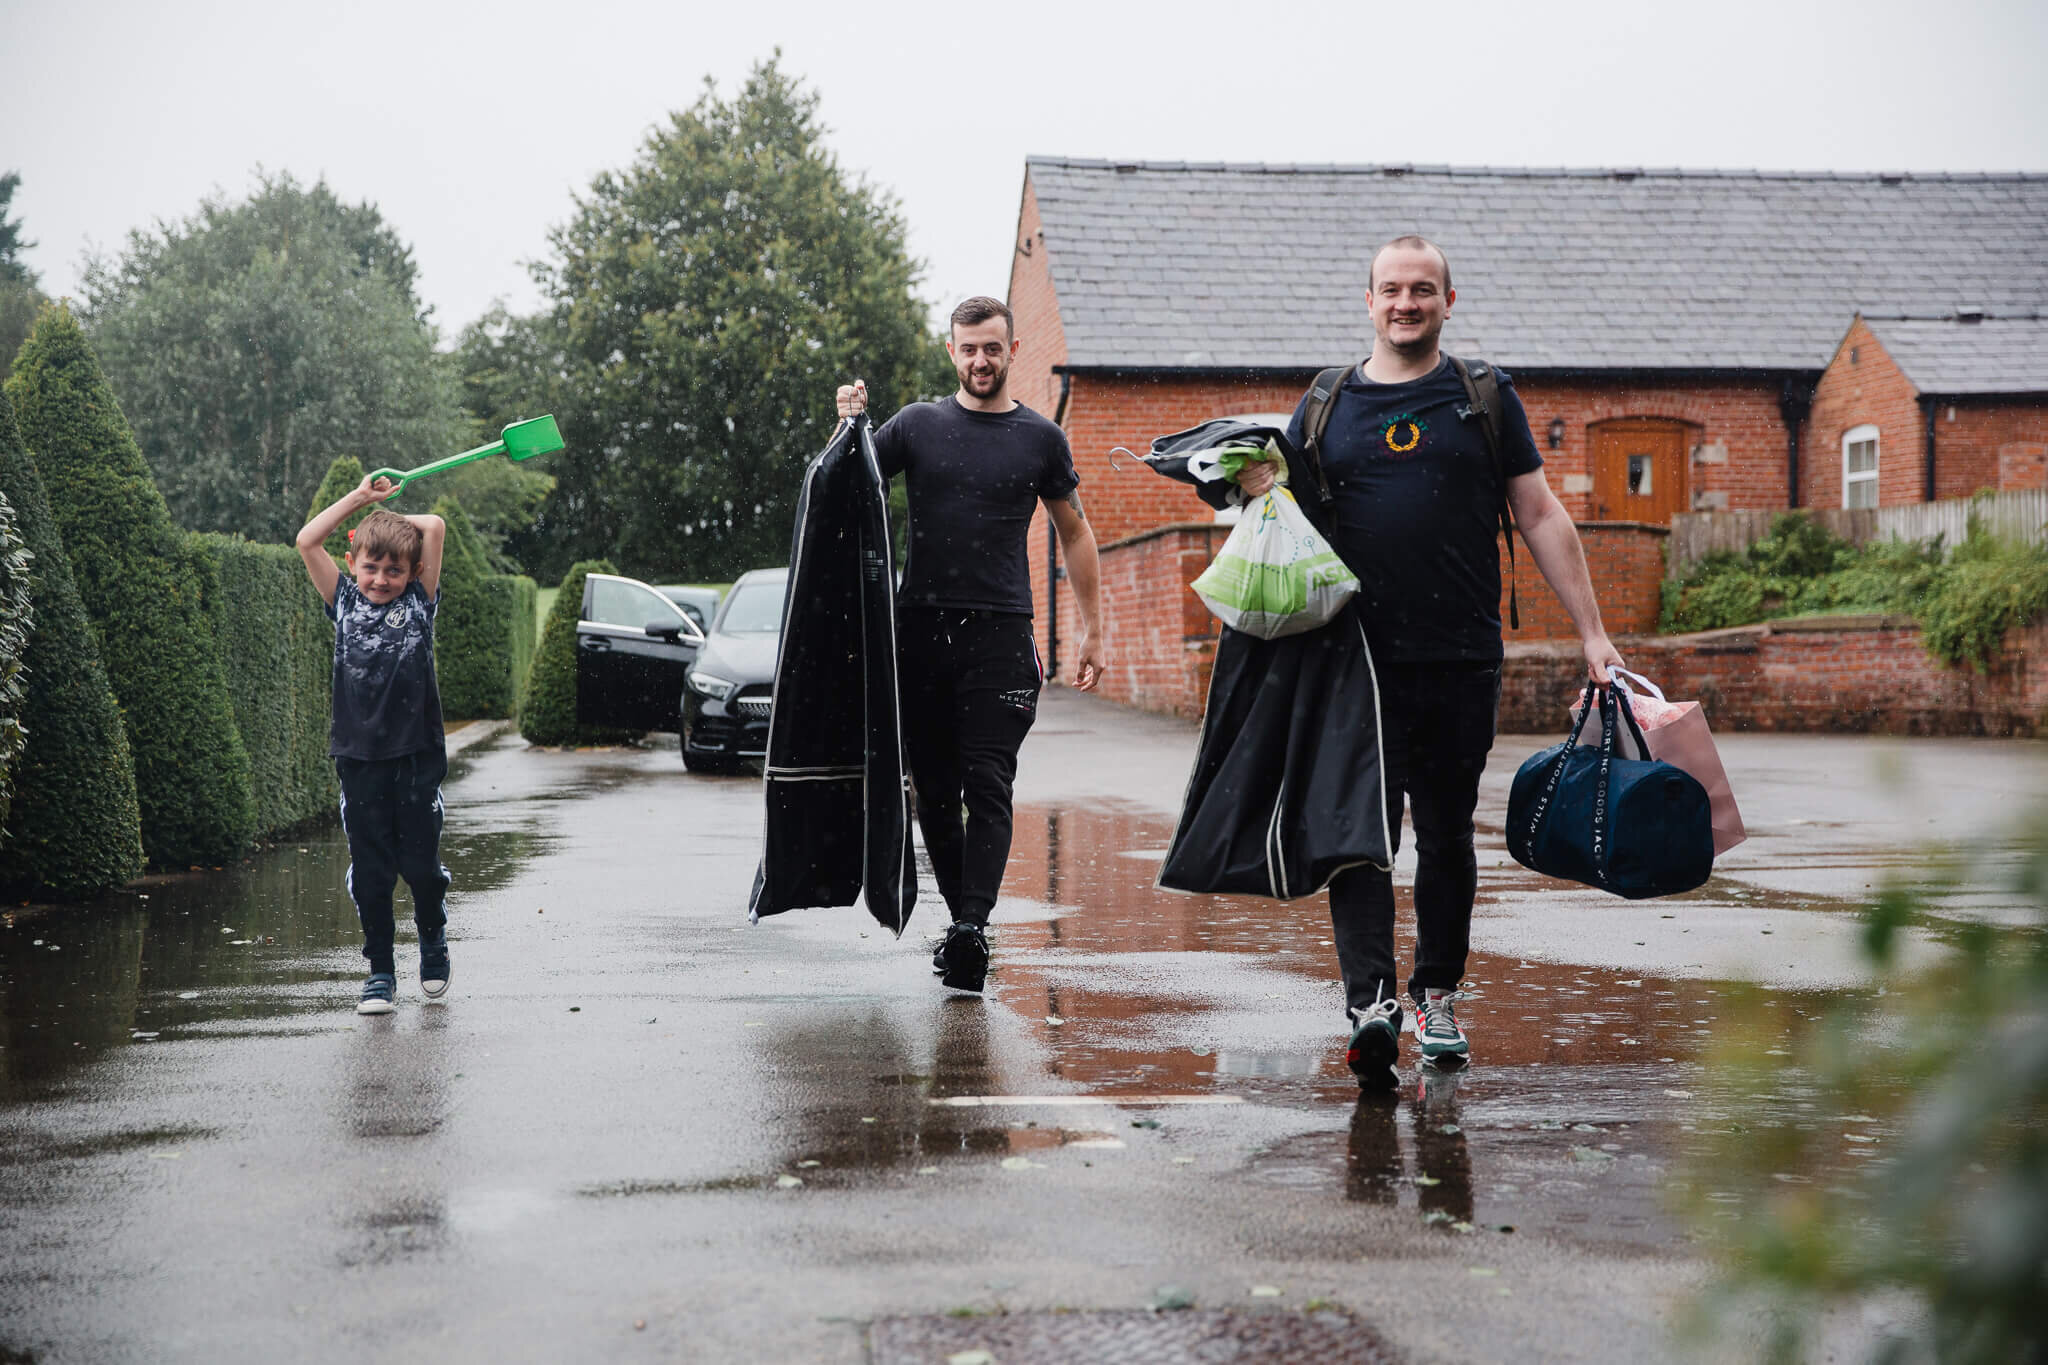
(1556, 432)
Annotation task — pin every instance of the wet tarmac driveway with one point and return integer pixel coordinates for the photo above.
(644, 1130)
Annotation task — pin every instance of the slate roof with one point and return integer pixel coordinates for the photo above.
(1171, 265)
(1947, 357)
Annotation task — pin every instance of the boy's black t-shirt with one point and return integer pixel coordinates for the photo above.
(386, 701)
(1418, 511)
(974, 480)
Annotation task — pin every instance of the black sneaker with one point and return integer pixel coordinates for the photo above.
(380, 994)
(1376, 1045)
(434, 965)
(962, 959)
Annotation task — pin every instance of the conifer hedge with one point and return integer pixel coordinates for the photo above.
(139, 582)
(342, 477)
(17, 617)
(74, 831)
(519, 608)
(547, 714)
(277, 651)
(471, 658)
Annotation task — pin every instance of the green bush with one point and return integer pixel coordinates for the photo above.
(74, 830)
(518, 607)
(343, 476)
(1940, 1197)
(471, 661)
(17, 618)
(139, 583)
(277, 651)
(547, 714)
(1965, 601)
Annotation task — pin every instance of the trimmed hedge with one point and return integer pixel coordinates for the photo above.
(547, 715)
(74, 831)
(518, 606)
(277, 650)
(139, 583)
(470, 658)
(17, 618)
(343, 476)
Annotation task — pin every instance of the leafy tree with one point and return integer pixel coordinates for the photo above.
(11, 244)
(19, 297)
(255, 341)
(74, 830)
(140, 585)
(344, 475)
(547, 712)
(706, 301)
(511, 369)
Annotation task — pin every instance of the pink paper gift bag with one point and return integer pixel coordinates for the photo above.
(1677, 734)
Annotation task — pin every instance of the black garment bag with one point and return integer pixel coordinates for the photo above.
(838, 820)
(1287, 788)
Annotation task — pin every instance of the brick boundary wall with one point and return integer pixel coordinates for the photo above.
(1856, 674)
(1861, 674)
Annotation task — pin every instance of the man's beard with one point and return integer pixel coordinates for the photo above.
(1419, 345)
(972, 382)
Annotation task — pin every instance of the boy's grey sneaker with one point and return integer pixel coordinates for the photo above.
(1443, 1041)
(380, 994)
(962, 959)
(1376, 1045)
(434, 965)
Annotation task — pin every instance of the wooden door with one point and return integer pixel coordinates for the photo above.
(1639, 470)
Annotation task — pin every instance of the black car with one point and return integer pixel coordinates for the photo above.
(727, 692)
(633, 647)
(698, 603)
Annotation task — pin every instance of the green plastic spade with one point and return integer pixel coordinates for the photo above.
(520, 441)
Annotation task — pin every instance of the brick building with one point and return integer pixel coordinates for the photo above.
(1670, 333)
(1917, 409)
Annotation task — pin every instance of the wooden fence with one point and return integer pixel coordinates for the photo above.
(2016, 516)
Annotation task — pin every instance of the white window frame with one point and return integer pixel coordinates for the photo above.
(1857, 435)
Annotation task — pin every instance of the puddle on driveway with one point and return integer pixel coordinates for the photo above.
(1579, 1118)
(218, 952)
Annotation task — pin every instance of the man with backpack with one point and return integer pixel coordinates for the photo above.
(1419, 460)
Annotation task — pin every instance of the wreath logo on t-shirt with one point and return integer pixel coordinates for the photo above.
(396, 618)
(1403, 433)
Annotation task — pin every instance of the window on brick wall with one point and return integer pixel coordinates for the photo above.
(1859, 466)
(1271, 419)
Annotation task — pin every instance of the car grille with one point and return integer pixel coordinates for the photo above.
(753, 707)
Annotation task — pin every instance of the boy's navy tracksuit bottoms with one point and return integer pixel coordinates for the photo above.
(391, 812)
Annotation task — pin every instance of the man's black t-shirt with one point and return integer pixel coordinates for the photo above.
(386, 701)
(974, 480)
(1418, 511)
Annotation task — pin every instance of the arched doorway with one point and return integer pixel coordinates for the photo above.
(1640, 469)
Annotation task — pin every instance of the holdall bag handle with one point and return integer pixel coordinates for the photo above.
(1555, 776)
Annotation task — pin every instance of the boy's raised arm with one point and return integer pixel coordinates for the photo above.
(434, 532)
(312, 539)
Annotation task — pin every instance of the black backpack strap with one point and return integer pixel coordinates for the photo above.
(1315, 420)
(1482, 399)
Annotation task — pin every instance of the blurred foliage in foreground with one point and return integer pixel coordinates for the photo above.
(1920, 1177)
(1965, 600)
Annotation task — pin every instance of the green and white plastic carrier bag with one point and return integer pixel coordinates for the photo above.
(1275, 575)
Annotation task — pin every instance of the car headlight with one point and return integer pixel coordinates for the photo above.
(710, 684)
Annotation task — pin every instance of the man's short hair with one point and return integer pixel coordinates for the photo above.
(1416, 243)
(387, 535)
(981, 308)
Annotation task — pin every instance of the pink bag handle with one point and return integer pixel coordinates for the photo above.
(1646, 684)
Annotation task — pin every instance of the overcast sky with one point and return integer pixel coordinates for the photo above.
(471, 126)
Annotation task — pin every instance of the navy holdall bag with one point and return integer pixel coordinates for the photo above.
(1633, 826)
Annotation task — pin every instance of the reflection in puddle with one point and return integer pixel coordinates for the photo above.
(221, 953)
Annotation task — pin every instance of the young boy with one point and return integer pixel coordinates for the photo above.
(386, 738)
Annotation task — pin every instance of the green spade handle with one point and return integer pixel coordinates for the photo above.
(520, 441)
